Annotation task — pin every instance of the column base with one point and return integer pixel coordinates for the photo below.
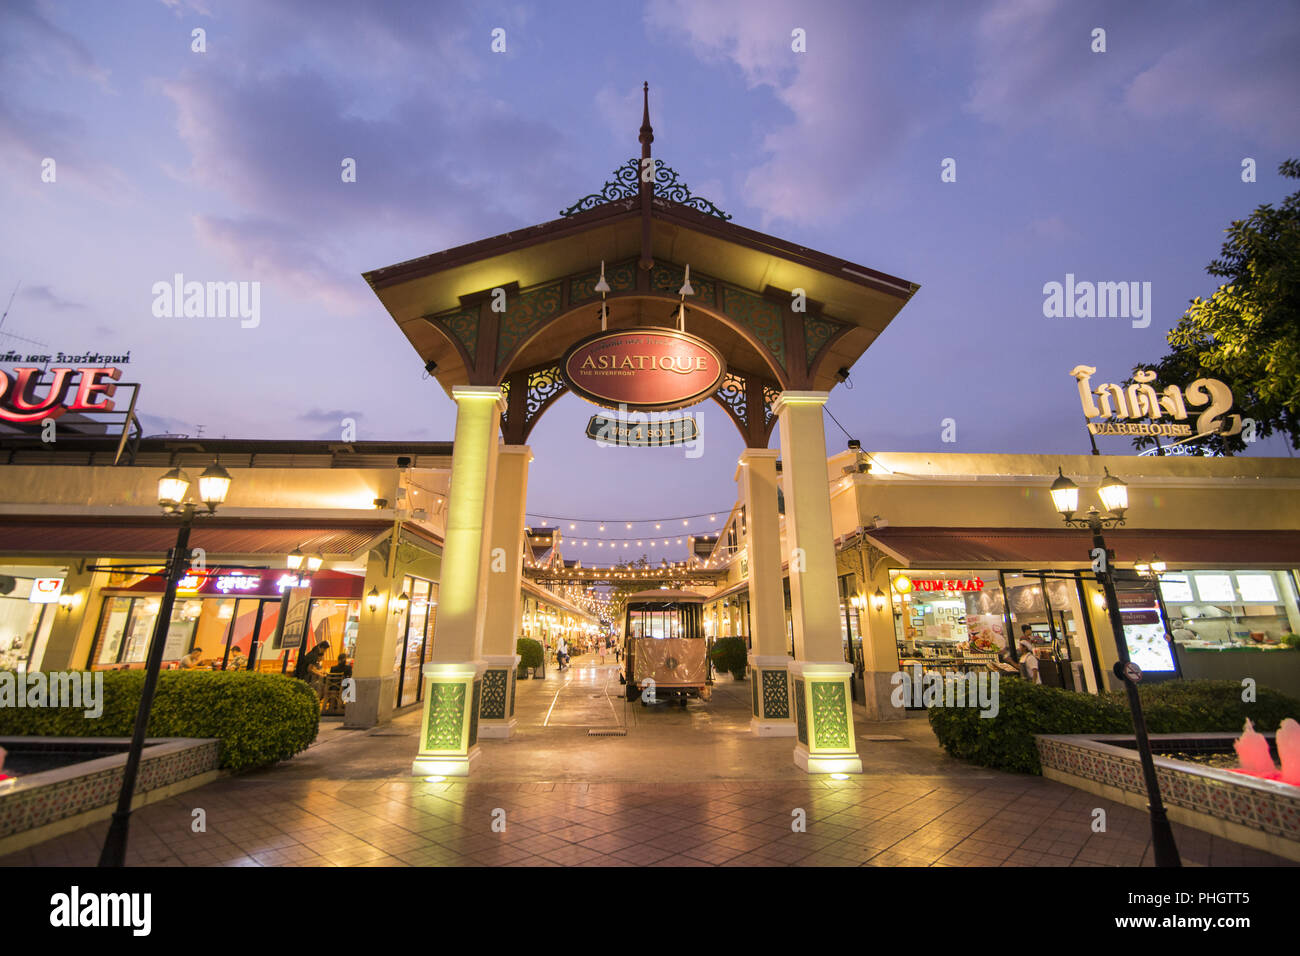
(880, 689)
(496, 729)
(771, 714)
(450, 729)
(846, 763)
(451, 766)
(374, 703)
(771, 728)
(824, 717)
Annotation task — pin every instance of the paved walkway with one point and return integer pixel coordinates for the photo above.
(685, 787)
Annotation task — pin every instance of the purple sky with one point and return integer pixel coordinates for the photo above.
(224, 165)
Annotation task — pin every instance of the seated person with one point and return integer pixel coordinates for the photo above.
(342, 667)
(191, 660)
(237, 660)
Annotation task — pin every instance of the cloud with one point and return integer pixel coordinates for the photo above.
(43, 295)
(847, 113)
(334, 416)
(1245, 81)
(32, 44)
(1052, 229)
(274, 253)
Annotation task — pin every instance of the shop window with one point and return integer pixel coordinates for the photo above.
(1217, 610)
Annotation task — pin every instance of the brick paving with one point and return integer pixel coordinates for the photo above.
(349, 801)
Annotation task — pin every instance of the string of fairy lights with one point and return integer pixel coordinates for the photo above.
(594, 534)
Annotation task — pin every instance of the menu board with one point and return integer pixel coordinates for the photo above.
(1257, 588)
(1215, 587)
(1176, 588)
(1144, 632)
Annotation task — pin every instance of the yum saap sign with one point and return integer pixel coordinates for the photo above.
(1141, 410)
(648, 368)
(21, 401)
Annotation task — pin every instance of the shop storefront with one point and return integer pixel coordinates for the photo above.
(29, 601)
(957, 621)
(235, 619)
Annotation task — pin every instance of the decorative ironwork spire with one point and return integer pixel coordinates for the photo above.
(647, 131)
(647, 185)
(640, 180)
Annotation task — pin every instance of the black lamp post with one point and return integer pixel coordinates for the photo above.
(1114, 495)
(214, 483)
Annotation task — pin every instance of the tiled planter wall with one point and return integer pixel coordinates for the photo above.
(43, 798)
(1264, 805)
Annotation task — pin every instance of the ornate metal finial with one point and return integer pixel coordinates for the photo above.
(628, 183)
(647, 132)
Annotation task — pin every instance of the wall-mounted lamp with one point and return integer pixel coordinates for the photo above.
(381, 503)
(67, 601)
(372, 599)
(294, 559)
(402, 603)
(878, 600)
(314, 562)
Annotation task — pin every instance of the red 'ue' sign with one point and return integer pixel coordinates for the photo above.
(20, 403)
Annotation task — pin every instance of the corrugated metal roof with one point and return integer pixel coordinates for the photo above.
(939, 547)
(112, 537)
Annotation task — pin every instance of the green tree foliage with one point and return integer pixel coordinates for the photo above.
(1248, 332)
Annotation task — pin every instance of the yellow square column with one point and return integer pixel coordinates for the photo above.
(453, 678)
(773, 711)
(502, 623)
(823, 701)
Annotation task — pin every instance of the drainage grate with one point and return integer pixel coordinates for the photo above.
(880, 737)
(606, 732)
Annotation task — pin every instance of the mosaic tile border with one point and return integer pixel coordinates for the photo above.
(32, 802)
(1262, 805)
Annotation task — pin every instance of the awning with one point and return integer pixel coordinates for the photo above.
(1031, 547)
(152, 538)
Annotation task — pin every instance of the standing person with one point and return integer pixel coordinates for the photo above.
(601, 646)
(309, 665)
(561, 653)
(1029, 663)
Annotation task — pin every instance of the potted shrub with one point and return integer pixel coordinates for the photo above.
(530, 655)
(730, 654)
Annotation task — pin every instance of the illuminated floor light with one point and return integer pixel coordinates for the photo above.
(434, 779)
(839, 776)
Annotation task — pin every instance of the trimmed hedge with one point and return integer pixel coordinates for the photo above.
(1006, 742)
(530, 653)
(730, 654)
(259, 718)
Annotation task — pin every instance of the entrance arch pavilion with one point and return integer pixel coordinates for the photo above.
(493, 320)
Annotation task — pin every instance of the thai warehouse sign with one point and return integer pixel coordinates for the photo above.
(1139, 410)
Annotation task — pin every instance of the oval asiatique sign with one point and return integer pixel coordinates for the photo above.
(648, 368)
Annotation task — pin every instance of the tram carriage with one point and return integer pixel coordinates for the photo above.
(664, 642)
